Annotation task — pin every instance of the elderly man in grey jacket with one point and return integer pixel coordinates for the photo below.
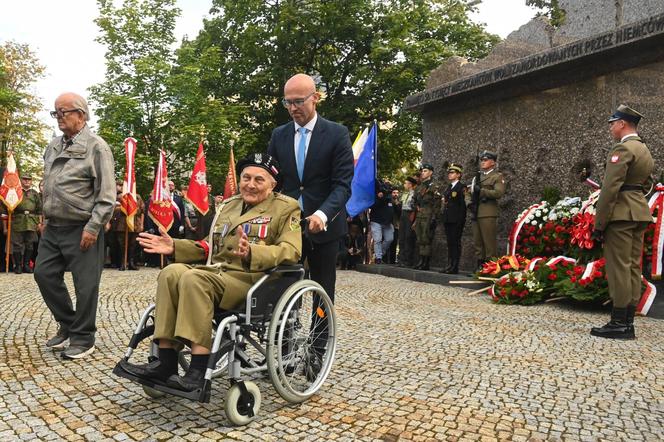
(78, 198)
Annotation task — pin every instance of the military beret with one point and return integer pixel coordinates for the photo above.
(26, 176)
(427, 166)
(455, 168)
(626, 113)
(412, 180)
(486, 154)
(261, 160)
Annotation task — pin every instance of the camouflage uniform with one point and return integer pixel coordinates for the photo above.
(26, 218)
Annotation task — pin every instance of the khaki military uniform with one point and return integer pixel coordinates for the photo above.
(492, 188)
(622, 213)
(187, 294)
(25, 221)
(427, 201)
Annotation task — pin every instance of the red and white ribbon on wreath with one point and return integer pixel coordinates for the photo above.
(647, 297)
(657, 203)
(558, 259)
(590, 268)
(518, 224)
(592, 199)
(533, 263)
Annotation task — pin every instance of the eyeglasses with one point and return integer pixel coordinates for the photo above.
(61, 113)
(298, 102)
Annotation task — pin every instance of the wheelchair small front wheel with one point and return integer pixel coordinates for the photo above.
(154, 394)
(301, 341)
(242, 408)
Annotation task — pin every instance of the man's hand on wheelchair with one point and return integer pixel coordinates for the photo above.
(160, 244)
(243, 247)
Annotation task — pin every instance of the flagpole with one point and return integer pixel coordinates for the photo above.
(9, 241)
(126, 242)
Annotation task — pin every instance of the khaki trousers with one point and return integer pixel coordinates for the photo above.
(484, 237)
(186, 299)
(623, 244)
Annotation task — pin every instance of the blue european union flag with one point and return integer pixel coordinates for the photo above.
(363, 186)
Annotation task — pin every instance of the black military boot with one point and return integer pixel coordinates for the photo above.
(454, 267)
(425, 263)
(18, 263)
(631, 311)
(26, 262)
(132, 265)
(617, 327)
(419, 264)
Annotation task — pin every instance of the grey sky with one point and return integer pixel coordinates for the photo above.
(62, 34)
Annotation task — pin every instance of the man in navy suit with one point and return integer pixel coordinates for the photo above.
(317, 168)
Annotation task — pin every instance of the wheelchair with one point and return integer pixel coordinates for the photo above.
(286, 328)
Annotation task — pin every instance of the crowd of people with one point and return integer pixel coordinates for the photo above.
(400, 227)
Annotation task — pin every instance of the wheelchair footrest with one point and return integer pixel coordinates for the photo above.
(200, 394)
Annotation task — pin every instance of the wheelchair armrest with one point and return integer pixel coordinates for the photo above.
(285, 269)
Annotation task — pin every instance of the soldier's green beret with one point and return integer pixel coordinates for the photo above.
(626, 113)
(261, 160)
(455, 168)
(427, 166)
(488, 155)
(26, 176)
(412, 180)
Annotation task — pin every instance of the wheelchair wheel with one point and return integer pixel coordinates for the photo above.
(154, 394)
(242, 410)
(301, 341)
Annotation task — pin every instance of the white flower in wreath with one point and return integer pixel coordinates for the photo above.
(538, 213)
(200, 178)
(534, 223)
(574, 210)
(552, 217)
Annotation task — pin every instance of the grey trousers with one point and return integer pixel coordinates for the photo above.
(59, 250)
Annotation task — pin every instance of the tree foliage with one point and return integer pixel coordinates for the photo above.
(366, 56)
(551, 9)
(20, 129)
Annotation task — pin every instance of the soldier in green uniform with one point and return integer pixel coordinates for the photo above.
(621, 218)
(26, 221)
(252, 232)
(487, 187)
(427, 203)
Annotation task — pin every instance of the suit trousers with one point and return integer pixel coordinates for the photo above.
(453, 233)
(59, 250)
(484, 236)
(406, 239)
(623, 244)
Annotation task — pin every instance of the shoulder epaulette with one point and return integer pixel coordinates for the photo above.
(282, 197)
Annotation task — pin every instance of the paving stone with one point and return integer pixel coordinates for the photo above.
(415, 361)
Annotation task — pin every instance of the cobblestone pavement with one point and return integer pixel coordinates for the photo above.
(415, 361)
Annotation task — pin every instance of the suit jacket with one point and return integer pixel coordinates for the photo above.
(328, 172)
(630, 163)
(454, 204)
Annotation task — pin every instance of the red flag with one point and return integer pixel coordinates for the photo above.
(161, 209)
(230, 188)
(128, 202)
(197, 193)
(11, 192)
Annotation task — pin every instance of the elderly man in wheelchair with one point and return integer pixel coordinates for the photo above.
(256, 237)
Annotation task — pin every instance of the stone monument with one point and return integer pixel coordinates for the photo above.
(541, 100)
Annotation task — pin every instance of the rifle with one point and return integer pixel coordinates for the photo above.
(475, 196)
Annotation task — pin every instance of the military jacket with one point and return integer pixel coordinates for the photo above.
(492, 188)
(427, 198)
(28, 213)
(454, 204)
(272, 228)
(628, 163)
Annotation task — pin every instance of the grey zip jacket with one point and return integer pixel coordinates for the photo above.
(79, 182)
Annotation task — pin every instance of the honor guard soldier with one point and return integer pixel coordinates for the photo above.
(454, 217)
(26, 221)
(427, 200)
(621, 218)
(487, 187)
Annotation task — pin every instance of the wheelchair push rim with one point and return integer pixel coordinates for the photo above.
(302, 334)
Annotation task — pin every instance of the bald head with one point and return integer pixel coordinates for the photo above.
(301, 88)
